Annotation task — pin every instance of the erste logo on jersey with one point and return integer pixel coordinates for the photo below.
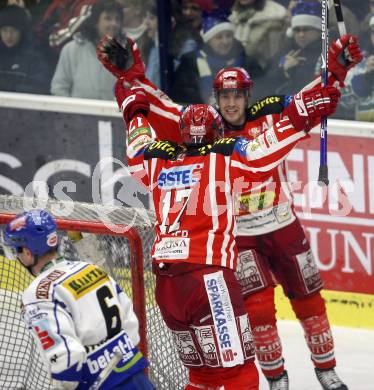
(179, 177)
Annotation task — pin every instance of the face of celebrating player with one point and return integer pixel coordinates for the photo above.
(232, 105)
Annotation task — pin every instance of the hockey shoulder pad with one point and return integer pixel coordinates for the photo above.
(224, 146)
(268, 105)
(164, 150)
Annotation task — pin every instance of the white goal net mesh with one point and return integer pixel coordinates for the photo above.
(119, 240)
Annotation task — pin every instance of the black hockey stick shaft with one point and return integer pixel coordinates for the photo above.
(339, 17)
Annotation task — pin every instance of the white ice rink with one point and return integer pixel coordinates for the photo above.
(354, 353)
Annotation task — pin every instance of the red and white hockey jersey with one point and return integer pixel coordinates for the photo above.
(264, 207)
(194, 190)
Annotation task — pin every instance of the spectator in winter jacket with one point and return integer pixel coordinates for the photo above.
(299, 61)
(135, 24)
(195, 74)
(78, 73)
(58, 23)
(22, 66)
(361, 81)
(259, 26)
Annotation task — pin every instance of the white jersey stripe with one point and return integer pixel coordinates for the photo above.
(153, 167)
(284, 181)
(213, 208)
(226, 235)
(156, 94)
(135, 168)
(164, 113)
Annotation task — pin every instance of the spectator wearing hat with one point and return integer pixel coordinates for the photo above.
(259, 26)
(22, 66)
(78, 72)
(300, 60)
(360, 80)
(194, 76)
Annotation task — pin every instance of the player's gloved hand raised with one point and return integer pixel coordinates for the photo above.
(309, 105)
(131, 99)
(121, 60)
(344, 54)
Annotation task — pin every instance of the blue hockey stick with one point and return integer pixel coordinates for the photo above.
(323, 178)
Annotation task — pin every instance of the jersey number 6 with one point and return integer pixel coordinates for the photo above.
(111, 313)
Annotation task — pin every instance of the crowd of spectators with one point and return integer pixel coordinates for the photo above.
(48, 46)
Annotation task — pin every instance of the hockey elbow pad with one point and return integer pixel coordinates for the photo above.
(131, 101)
(309, 105)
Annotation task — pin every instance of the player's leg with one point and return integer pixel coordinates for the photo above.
(204, 309)
(258, 290)
(297, 271)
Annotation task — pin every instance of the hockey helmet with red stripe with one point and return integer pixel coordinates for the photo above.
(35, 230)
(200, 124)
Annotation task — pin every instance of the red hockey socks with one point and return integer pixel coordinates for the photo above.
(261, 311)
(311, 312)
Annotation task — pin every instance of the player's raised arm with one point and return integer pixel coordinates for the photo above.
(270, 148)
(141, 143)
(124, 60)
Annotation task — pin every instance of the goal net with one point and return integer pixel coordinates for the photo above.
(118, 239)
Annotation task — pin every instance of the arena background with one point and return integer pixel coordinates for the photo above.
(60, 142)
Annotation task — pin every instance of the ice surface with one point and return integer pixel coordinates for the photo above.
(354, 353)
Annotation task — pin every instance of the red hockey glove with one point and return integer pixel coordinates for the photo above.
(121, 60)
(307, 106)
(131, 100)
(343, 55)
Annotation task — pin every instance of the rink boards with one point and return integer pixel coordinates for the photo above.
(339, 221)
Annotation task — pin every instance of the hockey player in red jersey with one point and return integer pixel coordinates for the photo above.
(271, 240)
(194, 253)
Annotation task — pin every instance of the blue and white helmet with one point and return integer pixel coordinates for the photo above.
(35, 230)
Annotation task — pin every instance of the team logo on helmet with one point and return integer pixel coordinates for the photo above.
(201, 124)
(18, 223)
(232, 78)
(52, 239)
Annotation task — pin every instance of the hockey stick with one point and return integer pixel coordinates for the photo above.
(339, 17)
(106, 371)
(323, 177)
